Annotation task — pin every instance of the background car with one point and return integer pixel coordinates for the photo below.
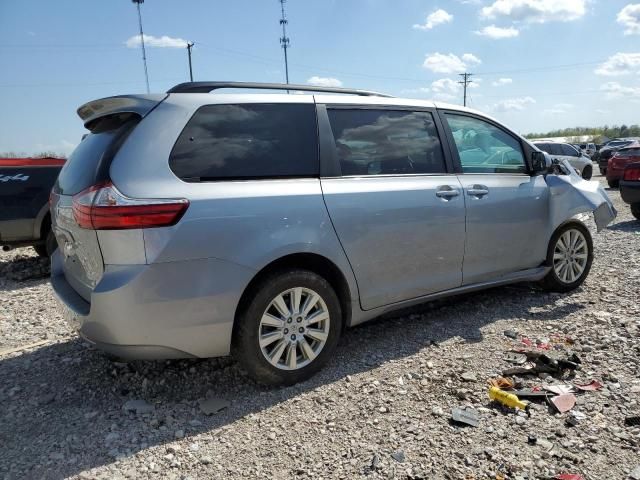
(566, 151)
(609, 150)
(589, 149)
(617, 163)
(25, 184)
(630, 188)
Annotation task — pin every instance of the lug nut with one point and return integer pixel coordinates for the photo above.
(286, 330)
(293, 337)
(301, 330)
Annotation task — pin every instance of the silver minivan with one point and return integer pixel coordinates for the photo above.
(202, 224)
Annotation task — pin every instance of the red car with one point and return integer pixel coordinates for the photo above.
(630, 188)
(617, 163)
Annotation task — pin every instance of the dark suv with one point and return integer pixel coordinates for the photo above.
(25, 184)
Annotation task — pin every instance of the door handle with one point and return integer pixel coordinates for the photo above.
(447, 192)
(478, 191)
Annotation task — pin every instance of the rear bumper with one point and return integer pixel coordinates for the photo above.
(630, 191)
(165, 310)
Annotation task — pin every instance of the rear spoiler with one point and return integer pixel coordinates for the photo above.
(138, 104)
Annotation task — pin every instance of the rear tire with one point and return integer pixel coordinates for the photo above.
(587, 172)
(47, 248)
(570, 255)
(603, 171)
(278, 338)
(635, 210)
(613, 183)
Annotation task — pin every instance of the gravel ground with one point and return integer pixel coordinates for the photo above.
(381, 408)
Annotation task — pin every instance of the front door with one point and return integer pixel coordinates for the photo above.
(398, 213)
(507, 209)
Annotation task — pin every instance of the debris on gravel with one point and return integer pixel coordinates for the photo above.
(380, 409)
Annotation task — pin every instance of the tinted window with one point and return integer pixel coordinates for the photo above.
(629, 152)
(90, 161)
(555, 149)
(386, 142)
(247, 141)
(485, 148)
(545, 147)
(569, 150)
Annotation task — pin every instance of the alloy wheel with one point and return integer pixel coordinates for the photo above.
(570, 256)
(294, 328)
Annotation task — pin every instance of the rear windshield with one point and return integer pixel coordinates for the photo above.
(629, 152)
(90, 161)
(245, 141)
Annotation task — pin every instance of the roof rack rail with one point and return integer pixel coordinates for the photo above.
(206, 87)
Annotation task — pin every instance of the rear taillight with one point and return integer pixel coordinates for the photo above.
(632, 173)
(103, 207)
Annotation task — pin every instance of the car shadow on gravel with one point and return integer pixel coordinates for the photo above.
(23, 271)
(62, 404)
(628, 226)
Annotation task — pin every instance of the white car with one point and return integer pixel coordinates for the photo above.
(565, 151)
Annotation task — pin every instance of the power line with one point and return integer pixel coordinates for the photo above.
(284, 40)
(465, 82)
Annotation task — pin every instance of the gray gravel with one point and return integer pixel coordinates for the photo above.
(380, 409)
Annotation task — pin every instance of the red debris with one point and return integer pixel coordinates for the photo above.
(590, 387)
(568, 476)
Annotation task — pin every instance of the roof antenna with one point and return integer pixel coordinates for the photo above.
(284, 40)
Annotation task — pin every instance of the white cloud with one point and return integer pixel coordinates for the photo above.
(536, 11)
(445, 85)
(450, 63)
(513, 104)
(161, 42)
(502, 82)
(434, 19)
(559, 109)
(614, 90)
(470, 58)
(324, 81)
(629, 17)
(498, 33)
(620, 64)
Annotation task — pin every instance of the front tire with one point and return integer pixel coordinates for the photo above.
(570, 255)
(288, 329)
(587, 172)
(603, 171)
(635, 210)
(613, 183)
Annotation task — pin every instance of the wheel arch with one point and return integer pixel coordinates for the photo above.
(313, 262)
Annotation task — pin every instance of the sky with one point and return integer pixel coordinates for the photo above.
(538, 65)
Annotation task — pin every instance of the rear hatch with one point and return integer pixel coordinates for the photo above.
(110, 123)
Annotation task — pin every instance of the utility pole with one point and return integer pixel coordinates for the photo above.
(466, 81)
(189, 47)
(284, 40)
(144, 54)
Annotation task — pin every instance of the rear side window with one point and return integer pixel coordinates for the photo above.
(90, 161)
(555, 149)
(247, 141)
(544, 147)
(386, 142)
(570, 151)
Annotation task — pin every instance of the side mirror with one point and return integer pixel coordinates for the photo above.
(539, 162)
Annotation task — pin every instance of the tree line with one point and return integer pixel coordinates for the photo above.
(596, 133)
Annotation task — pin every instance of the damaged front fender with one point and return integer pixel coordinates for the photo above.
(570, 195)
